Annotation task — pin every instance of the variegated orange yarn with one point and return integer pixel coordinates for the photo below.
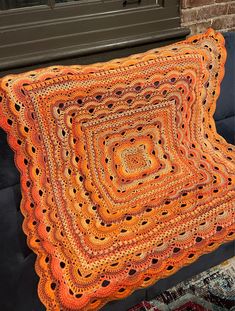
(124, 178)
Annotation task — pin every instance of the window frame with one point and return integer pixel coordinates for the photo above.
(105, 5)
(40, 34)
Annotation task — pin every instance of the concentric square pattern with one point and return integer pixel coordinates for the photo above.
(137, 153)
(124, 178)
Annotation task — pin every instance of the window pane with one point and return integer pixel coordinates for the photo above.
(78, 1)
(130, 2)
(13, 4)
(60, 1)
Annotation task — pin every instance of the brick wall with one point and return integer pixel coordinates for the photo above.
(199, 15)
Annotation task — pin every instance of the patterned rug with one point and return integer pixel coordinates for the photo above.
(212, 290)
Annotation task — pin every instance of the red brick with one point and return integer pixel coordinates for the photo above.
(231, 8)
(183, 4)
(212, 11)
(199, 15)
(224, 23)
(200, 27)
(221, 1)
(188, 15)
(195, 3)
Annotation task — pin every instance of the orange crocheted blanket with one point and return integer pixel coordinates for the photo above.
(124, 178)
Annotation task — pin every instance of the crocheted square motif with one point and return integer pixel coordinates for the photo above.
(124, 178)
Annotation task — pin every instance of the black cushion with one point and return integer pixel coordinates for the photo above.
(226, 128)
(225, 107)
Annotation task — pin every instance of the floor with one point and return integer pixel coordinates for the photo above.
(212, 290)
